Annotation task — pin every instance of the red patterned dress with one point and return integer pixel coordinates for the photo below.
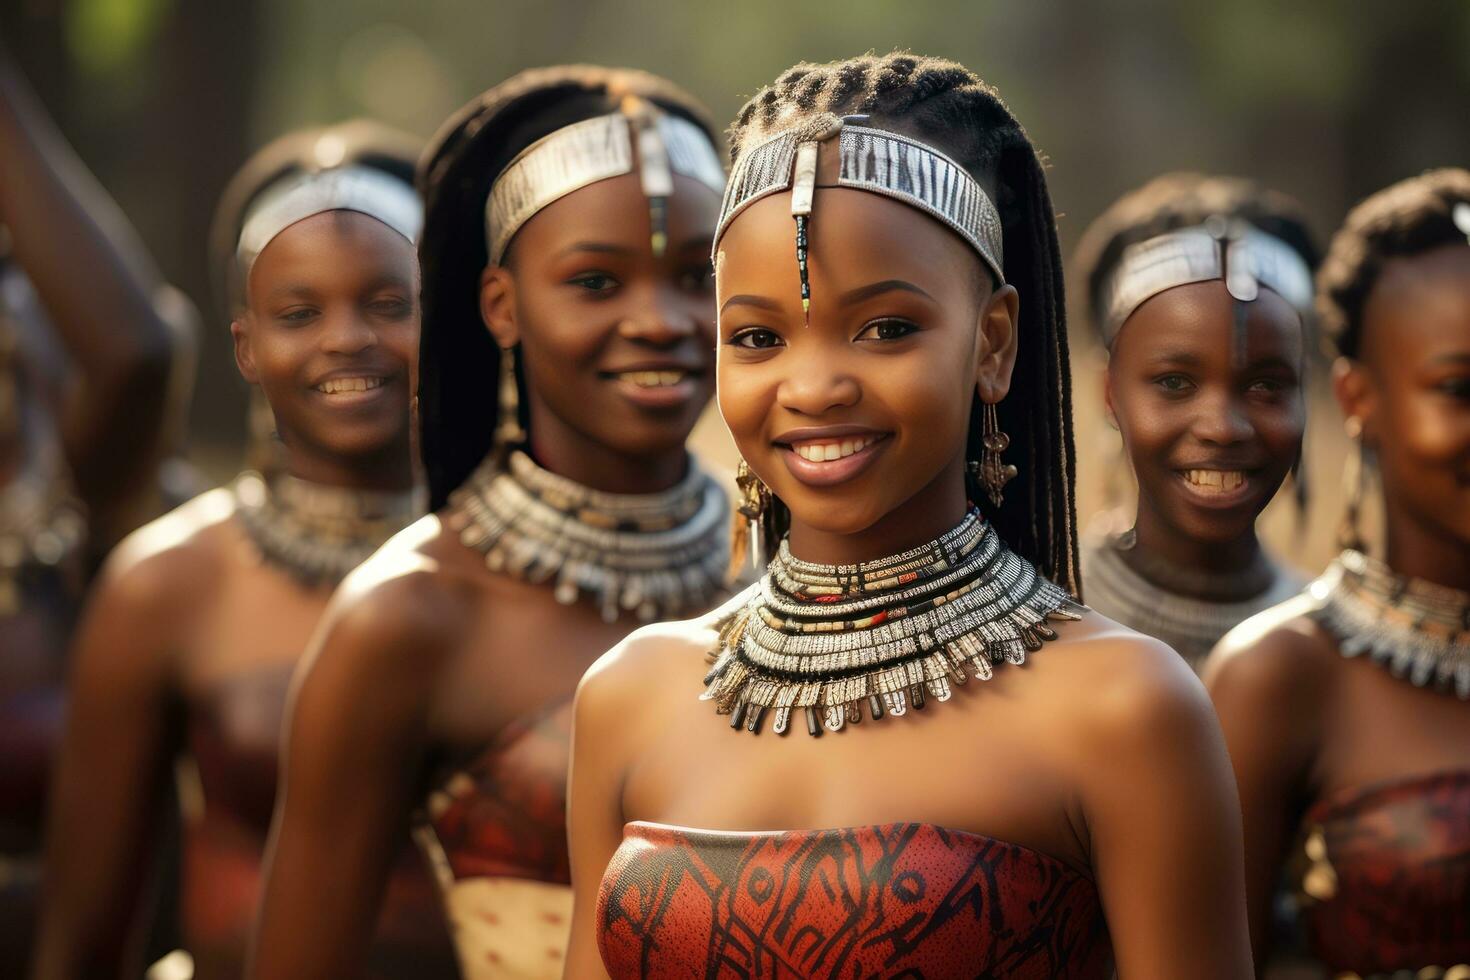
(895, 900)
(1387, 876)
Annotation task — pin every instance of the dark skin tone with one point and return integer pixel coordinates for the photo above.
(426, 653)
(1103, 730)
(1212, 419)
(94, 357)
(185, 613)
(1302, 721)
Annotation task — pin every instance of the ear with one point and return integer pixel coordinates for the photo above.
(1107, 390)
(244, 356)
(1354, 391)
(498, 305)
(995, 354)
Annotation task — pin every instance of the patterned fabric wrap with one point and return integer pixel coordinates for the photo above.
(895, 900)
(1391, 886)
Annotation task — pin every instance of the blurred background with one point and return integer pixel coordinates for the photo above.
(1323, 99)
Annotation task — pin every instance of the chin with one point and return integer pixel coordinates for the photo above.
(832, 515)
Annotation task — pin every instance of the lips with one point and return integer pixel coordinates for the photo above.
(827, 457)
(1220, 487)
(657, 386)
(652, 379)
(817, 451)
(1221, 480)
(343, 386)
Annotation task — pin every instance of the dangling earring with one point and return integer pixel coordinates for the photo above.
(1349, 535)
(755, 498)
(508, 430)
(990, 470)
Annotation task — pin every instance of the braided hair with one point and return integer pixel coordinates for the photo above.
(1404, 219)
(458, 359)
(1183, 200)
(946, 105)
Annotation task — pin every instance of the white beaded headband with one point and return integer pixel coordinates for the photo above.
(1245, 257)
(597, 149)
(353, 188)
(871, 160)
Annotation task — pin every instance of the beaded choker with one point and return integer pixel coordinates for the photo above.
(659, 555)
(318, 533)
(824, 639)
(1418, 630)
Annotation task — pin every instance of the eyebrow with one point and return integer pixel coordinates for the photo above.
(291, 290)
(746, 299)
(604, 248)
(879, 288)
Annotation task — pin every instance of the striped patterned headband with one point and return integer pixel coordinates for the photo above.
(598, 149)
(871, 160)
(1245, 257)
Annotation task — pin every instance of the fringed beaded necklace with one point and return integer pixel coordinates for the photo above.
(1418, 630)
(825, 639)
(659, 555)
(318, 533)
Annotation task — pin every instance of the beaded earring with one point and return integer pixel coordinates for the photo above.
(1354, 475)
(990, 470)
(508, 429)
(750, 508)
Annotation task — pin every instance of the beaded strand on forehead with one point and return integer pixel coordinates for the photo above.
(944, 104)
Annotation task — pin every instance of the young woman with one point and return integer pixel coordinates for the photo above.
(566, 250)
(1347, 709)
(891, 344)
(89, 339)
(1198, 287)
(201, 616)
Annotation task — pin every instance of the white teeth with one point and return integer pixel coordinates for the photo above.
(653, 379)
(1220, 480)
(821, 452)
(337, 386)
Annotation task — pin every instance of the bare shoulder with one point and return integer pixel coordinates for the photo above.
(173, 559)
(1280, 656)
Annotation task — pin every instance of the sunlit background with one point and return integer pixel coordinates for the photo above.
(1325, 100)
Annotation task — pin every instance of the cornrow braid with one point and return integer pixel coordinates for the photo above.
(948, 106)
(1404, 219)
(458, 359)
(1183, 200)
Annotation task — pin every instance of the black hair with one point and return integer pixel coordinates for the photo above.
(1404, 219)
(458, 359)
(1184, 200)
(362, 142)
(948, 106)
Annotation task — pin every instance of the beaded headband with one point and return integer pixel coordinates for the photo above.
(361, 189)
(871, 160)
(1245, 257)
(597, 149)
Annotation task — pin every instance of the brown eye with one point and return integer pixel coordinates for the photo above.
(756, 338)
(889, 328)
(594, 282)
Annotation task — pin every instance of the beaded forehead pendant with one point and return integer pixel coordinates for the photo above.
(873, 160)
(597, 149)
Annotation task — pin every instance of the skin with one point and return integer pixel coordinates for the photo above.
(96, 352)
(185, 617)
(427, 654)
(1303, 722)
(1102, 751)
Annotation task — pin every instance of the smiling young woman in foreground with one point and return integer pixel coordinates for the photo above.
(893, 367)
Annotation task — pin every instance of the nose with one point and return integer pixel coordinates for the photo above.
(347, 332)
(666, 317)
(817, 383)
(1222, 421)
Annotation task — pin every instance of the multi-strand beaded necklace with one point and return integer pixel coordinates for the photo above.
(824, 640)
(1418, 630)
(658, 555)
(318, 533)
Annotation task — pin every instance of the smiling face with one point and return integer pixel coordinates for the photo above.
(617, 345)
(858, 421)
(1211, 416)
(329, 334)
(1411, 388)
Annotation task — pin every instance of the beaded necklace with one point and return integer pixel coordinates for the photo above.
(318, 533)
(659, 555)
(825, 639)
(1418, 630)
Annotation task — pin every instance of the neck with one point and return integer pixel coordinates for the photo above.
(1158, 540)
(1428, 553)
(388, 471)
(922, 518)
(571, 454)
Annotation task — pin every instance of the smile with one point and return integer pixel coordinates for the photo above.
(342, 386)
(820, 452)
(652, 379)
(1222, 481)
